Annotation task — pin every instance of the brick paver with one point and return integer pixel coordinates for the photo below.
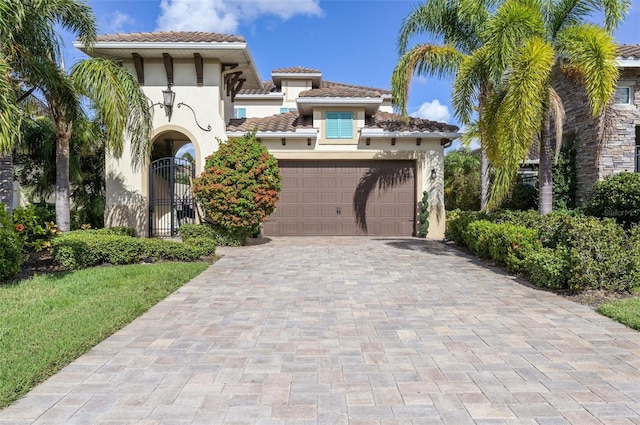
(351, 331)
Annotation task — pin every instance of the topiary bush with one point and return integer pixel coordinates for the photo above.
(424, 215)
(617, 197)
(10, 246)
(239, 188)
(88, 248)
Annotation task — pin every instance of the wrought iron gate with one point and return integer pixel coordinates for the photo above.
(171, 203)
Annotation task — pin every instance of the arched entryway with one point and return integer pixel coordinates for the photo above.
(171, 172)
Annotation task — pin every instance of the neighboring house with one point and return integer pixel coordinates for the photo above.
(349, 165)
(610, 143)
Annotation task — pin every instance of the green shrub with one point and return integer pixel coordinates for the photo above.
(31, 228)
(220, 235)
(548, 268)
(86, 248)
(457, 223)
(617, 197)
(504, 243)
(600, 255)
(476, 237)
(204, 246)
(116, 230)
(239, 188)
(10, 247)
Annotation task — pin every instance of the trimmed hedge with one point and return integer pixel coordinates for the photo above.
(220, 236)
(88, 248)
(558, 250)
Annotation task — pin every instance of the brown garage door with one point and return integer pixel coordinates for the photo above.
(345, 198)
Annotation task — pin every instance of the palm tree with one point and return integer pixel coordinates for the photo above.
(462, 180)
(526, 41)
(33, 57)
(457, 27)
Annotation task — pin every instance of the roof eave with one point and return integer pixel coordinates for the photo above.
(628, 62)
(301, 133)
(371, 104)
(382, 133)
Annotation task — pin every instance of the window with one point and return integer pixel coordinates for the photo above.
(623, 95)
(239, 112)
(285, 110)
(339, 125)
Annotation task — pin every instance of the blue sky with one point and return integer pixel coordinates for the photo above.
(351, 41)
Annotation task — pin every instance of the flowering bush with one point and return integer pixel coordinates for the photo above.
(239, 188)
(33, 230)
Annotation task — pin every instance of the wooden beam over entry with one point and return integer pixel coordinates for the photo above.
(168, 67)
(199, 69)
(138, 62)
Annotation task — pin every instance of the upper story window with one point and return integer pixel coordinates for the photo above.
(239, 112)
(339, 125)
(623, 94)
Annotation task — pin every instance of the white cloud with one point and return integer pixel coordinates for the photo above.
(224, 16)
(116, 22)
(434, 111)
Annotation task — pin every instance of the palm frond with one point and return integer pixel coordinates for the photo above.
(515, 21)
(10, 114)
(592, 50)
(115, 94)
(423, 59)
(557, 112)
(472, 75)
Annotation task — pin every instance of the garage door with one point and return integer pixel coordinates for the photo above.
(345, 198)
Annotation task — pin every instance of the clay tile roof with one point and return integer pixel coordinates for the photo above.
(629, 50)
(172, 37)
(394, 122)
(296, 70)
(267, 87)
(333, 89)
(289, 121)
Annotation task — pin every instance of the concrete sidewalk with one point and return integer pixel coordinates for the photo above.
(351, 331)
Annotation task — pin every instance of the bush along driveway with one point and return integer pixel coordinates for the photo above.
(339, 330)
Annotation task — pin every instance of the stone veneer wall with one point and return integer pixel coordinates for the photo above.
(581, 125)
(613, 134)
(6, 182)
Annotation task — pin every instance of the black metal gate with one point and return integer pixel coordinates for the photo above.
(171, 203)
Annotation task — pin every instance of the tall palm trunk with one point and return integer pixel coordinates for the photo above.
(485, 183)
(6, 181)
(63, 198)
(545, 180)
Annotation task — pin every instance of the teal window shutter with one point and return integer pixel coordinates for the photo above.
(240, 112)
(339, 125)
(284, 110)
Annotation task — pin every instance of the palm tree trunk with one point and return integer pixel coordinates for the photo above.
(63, 200)
(484, 176)
(6, 181)
(545, 181)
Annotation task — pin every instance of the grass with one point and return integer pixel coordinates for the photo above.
(626, 311)
(48, 321)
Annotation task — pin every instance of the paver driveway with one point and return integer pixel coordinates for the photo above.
(351, 330)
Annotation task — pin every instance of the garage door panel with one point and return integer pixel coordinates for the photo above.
(323, 203)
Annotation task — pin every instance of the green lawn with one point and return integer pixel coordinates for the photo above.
(48, 321)
(625, 311)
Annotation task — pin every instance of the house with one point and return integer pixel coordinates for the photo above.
(610, 143)
(350, 166)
